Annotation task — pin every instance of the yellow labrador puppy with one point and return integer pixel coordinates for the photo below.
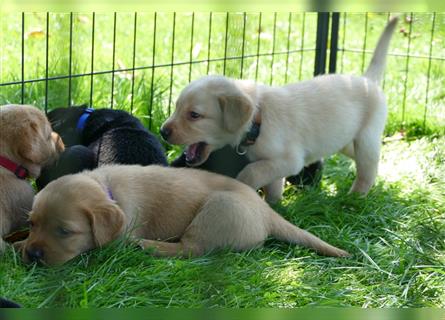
(27, 143)
(281, 129)
(176, 211)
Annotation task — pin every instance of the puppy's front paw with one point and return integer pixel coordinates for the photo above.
(247, 178)
(137, 242)
(144, 244)
(273, 198)
(274, 191)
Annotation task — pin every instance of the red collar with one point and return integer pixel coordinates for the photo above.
(19, 171)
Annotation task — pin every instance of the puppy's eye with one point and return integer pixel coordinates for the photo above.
(194, 115)
(63, 232)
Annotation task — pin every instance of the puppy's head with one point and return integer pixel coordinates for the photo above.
(64, 122)
(26, 137)
(71, 215)
(211, 112)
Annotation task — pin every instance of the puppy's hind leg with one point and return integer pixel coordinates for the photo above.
(229, 219)
(170, 249)
(367, 154)
(274, 191)
(226, 220)
(349, 151)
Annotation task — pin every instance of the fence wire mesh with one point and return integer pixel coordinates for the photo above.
(139, 62)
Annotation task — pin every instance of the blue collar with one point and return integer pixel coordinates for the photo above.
(83, 118)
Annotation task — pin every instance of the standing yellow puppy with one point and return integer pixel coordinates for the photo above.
(281, 129)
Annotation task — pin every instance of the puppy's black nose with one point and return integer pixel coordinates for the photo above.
(34, 254)
(166, 132)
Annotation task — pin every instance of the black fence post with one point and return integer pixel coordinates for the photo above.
(334, 42)
(321, 43)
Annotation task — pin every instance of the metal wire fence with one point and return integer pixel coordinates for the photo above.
(415, 70)
(140, 61)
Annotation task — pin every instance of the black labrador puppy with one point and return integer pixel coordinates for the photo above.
(227, 162)
(8, 304)
(94, 138)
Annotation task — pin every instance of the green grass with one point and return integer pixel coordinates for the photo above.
(396, 236)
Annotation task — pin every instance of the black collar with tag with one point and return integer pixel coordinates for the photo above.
(251, 135)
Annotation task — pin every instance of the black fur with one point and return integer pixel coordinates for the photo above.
(74, 159)
(223, 161)
(227, 162)
(8, 304)
(308, 176)
(109, 136)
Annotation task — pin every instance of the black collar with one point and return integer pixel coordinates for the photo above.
(251, 135)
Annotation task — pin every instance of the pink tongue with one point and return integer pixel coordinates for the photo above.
(191, 151)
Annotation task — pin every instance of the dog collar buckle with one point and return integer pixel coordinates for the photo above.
(21, 172)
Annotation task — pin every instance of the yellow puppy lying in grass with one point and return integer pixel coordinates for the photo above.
(174, 211)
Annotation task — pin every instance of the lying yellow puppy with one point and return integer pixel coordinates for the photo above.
(176, 211)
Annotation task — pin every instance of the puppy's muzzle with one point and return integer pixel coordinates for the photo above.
(166, 133)
(34, 254)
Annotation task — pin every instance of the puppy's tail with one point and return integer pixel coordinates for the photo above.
(285, 231)
(377, 66)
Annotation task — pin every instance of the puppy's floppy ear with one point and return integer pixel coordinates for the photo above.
(236, 110)
(58, 142)
(107, 221)
(28, 145)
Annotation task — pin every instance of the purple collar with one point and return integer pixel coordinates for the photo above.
(109, 193)
(83, 119)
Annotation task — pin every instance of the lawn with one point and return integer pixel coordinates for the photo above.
(396, 234)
